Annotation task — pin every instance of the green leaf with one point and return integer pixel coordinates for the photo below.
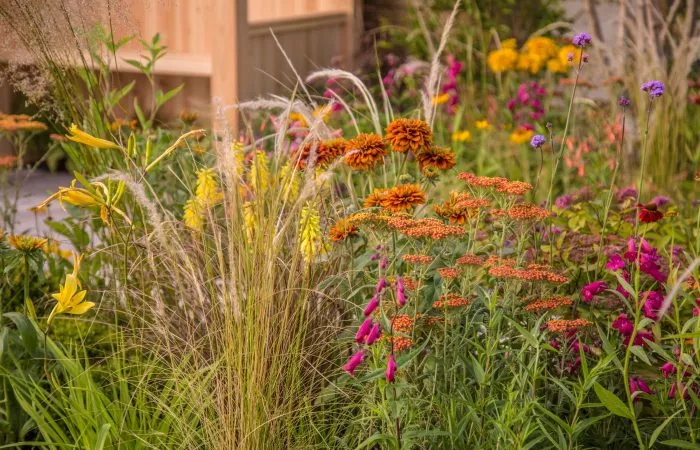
(86, 184)
(639, 353)
(612, 402)
(529, 337)
(26, 329)
(680, 444)
(162, 98)
(660, 428)
(102, 437)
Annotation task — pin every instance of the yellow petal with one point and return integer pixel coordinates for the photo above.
(77, 298)
(81, 308)
(81, 137)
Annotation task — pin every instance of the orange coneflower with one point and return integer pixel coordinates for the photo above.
(365, 151)
(342, 229)
(375, 198)
(436, 157)
(409, 134)
(403, 197)
(325, 152)
(567, 326)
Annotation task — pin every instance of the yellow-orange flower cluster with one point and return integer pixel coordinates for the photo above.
(499, 184)
(375, 198)
(551, 303)
(527, 211)
(436, 157)
(325, 152)
(451, 300)
(8, 161)
(400, 343)
(411, 283)
(342, 229)
(417, 259)
(526, 274)
(494, 260)
(470, 259)
(402, 197)
(20, 122)
(409, 135)
(459, 207)
(363, 218)
(450, 273)
(365, 151)
(567, 325)
(403, 323)
(424, 228)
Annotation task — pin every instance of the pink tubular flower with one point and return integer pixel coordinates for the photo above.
(372, 305)
(633, 385)
(623, 325)
(363, 331)
(381, 284)
(641, 338)
(383, 262)
(374, 334)
(354, 361)
(391, 369)
(615, 263)
(577, 345)
(652, 303)
(668, 369)
(637, 384)
(696, 310)
(593, 289)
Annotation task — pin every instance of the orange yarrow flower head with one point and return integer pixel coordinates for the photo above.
(527, 211)
(342, 229)
(436, 157)
(403, 197)
(417, 259)
(409, 135)
(450, 273)
(545, 304)
(567, 326)
(460, 207)
(451, 300)
(470, 260)
(499, 184)
(365, 151)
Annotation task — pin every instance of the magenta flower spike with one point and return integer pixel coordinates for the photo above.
(372, 305)
(391, 369)
(363, 331)
(374, 334)
(354, 361)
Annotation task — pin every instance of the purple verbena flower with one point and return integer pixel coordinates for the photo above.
(584, 57)
(660, 200)
(623, 101)
(570, 57)
(538, 141)
(564, 201)
(654, 88)
(582, 40)
(628, 192)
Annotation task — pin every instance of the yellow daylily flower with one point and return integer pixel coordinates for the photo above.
(461, 136)
(81, 137)
(482, 125)
(70, 298)
(440, 99)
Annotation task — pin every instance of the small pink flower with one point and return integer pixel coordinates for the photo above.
(372, 305)
(668, 369)
(400, 292)
(354, 361)
(592, 289)
(391, 369)
(374, 334)
(696, 310)
(643, 386)
(384, 262)
(363, 331)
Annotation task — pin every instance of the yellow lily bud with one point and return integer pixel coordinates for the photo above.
(81, 137)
